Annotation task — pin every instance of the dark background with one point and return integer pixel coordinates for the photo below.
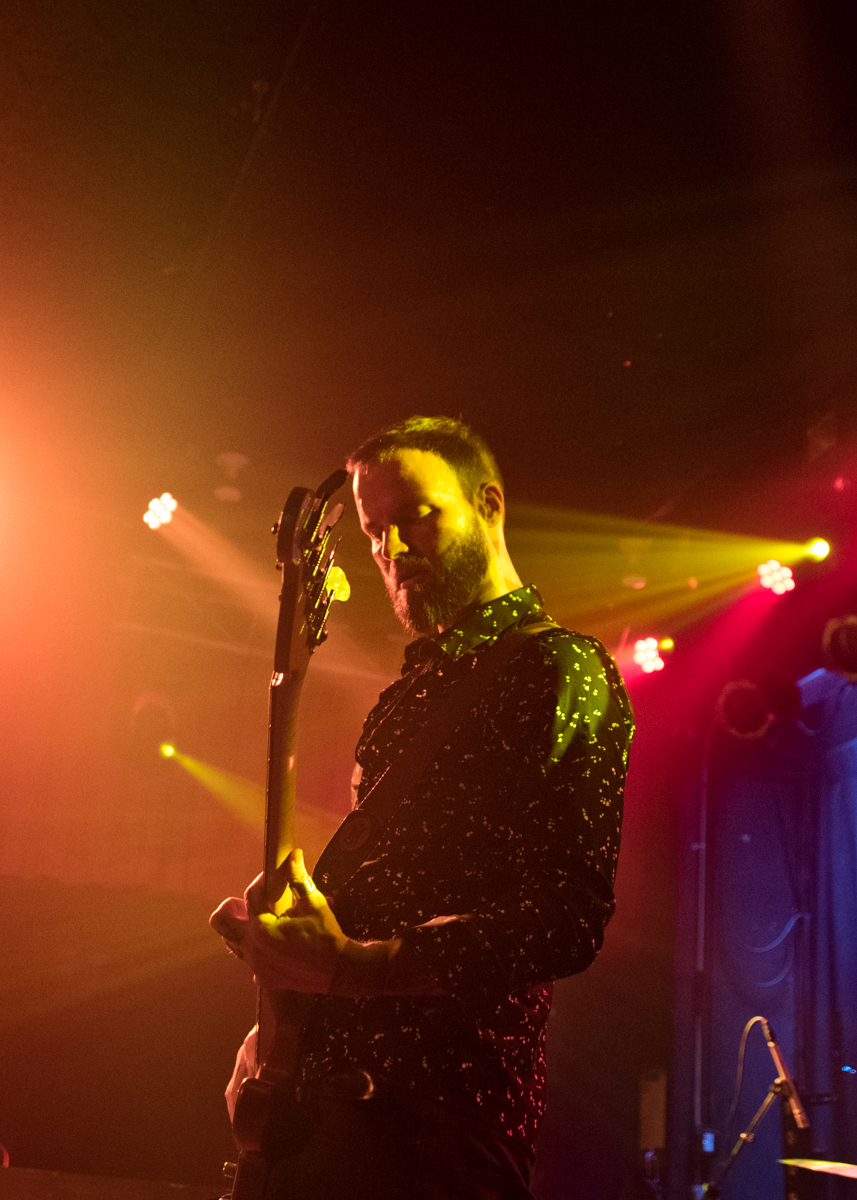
(618, 238)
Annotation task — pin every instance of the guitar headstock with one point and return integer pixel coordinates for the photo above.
(311, 579)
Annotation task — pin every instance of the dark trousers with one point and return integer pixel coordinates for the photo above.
(398, 1150)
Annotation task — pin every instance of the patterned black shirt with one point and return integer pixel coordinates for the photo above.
(497, 870)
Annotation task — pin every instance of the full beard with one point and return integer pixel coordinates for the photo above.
(447, 586)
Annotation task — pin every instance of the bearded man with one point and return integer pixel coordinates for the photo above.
(422, 1066)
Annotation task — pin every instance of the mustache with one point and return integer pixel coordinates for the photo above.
(407, 565)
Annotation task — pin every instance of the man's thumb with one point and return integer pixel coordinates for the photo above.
(297, 874)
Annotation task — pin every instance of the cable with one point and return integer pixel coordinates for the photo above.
(769, 983)
(740, 1074)
(778, 941)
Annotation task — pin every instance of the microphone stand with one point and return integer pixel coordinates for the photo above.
(780, 1087)
(793, 1110)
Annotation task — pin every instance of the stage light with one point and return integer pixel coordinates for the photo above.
(160, 511)
(167, 750)
(646, 655)
(776, 577)
(151, 727)
(743, 710)
(666, 644)
(818, 549)
(748, 708)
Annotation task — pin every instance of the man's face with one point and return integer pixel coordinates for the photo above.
(427, 538)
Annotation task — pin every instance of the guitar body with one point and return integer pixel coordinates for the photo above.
(311, 582)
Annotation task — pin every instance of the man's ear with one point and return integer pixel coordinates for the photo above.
(490, 503)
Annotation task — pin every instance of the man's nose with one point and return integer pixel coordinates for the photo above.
(392, 545)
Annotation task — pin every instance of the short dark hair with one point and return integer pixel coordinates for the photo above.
(453, 441)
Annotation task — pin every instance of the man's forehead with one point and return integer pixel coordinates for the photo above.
(405, 475)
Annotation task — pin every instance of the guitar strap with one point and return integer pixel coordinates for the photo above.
(360, 832)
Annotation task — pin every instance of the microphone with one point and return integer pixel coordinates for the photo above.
(797, 1109)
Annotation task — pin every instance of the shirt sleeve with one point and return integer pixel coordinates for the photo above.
(570, 725)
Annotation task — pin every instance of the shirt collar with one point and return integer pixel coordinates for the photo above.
(474, 627)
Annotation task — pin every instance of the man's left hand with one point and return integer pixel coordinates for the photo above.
(298, 950)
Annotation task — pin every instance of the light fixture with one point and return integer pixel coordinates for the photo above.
(646, 655)
(743, 710)
(150, 731)
(776, 577)
(818, 549)
(160, 511)
(748, 708)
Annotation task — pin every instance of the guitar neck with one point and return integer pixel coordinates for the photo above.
(283, 699)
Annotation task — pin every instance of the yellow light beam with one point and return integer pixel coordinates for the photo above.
(216, 557)
(602, 525)
(256, 589)
(246, 801)
(600, 569)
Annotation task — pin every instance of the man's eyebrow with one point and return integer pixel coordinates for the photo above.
(408, 509)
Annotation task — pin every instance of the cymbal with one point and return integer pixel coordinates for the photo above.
(817, 1164)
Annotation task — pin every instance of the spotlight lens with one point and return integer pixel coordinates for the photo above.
(167, 750)
(161, 511)
(777, 578)
(818, 549)
(666, 644)
(646, 654)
